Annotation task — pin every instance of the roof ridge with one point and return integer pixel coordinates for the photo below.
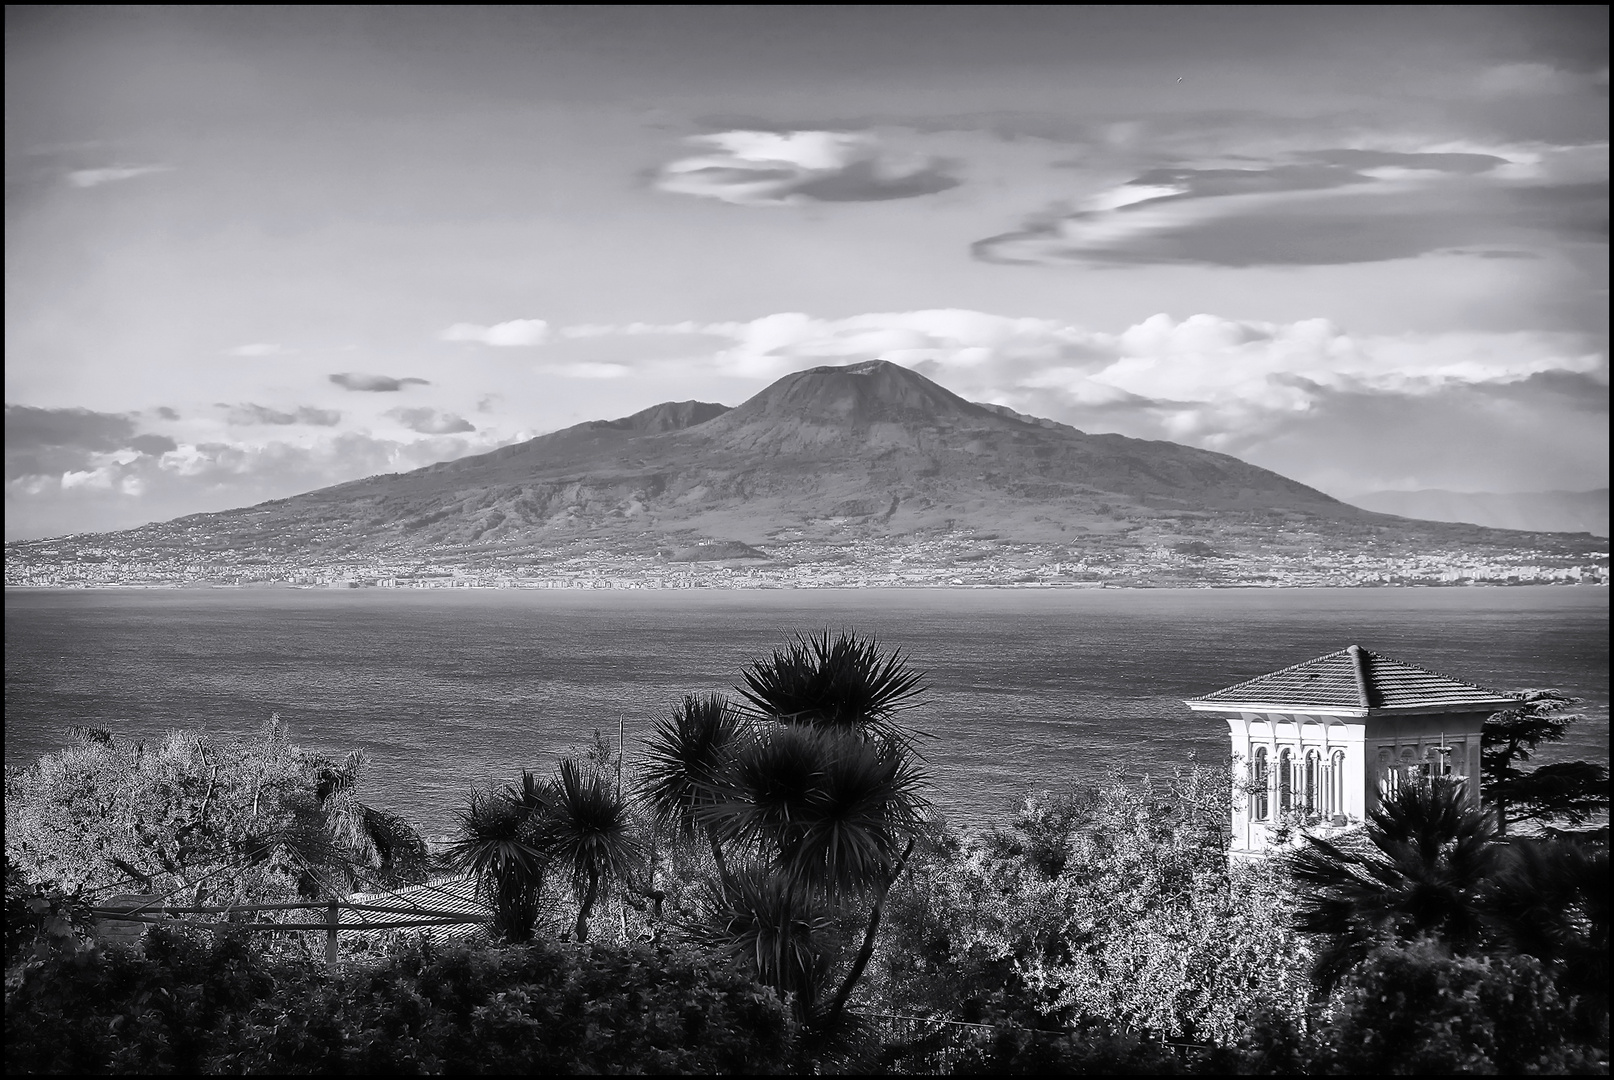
(1359, 669)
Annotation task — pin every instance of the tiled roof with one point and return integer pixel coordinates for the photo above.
(1355, 678)
(443, 895)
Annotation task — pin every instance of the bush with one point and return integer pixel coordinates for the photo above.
(167, 818)
(1420, 1010)
(1114, 903)
(222, 1006)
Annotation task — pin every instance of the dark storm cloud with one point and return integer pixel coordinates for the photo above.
(50, 442)
(350, 380)
(430, 421)
(249, 414)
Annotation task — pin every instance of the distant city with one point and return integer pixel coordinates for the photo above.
(958, 560)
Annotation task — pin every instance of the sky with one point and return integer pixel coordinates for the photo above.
(253, 251)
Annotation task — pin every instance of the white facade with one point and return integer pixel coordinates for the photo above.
(1320, 767)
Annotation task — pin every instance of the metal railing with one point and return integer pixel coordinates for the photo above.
(151, 910)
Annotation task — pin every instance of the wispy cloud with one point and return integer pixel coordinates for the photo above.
(257, 349)
(109, 174)
(1322, 206)
(375, 384)
(516, 332)
(763, 168)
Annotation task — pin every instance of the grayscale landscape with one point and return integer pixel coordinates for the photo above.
(807, 539)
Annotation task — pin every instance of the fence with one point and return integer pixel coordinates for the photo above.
(134, 910)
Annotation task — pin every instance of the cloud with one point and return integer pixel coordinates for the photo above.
(125, 488)
(153, 444)
(772, 168)
(248, 414)
(430, 421)
(260, 349)
(166, 413)
(516, 332)
(28, 428)
(1273, 393)
(88, 178)
(376, 384)
(56, 442)
(1322, 207)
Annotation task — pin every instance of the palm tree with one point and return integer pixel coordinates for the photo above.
(367, 837)
(847, 683)
(502, 844)
(816, 794)
(1422, 873)
(587, 832)
(686, 755)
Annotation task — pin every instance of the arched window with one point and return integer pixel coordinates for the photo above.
(1286, 780)
(1388, 781)
(1260, 781)
(1336, 774)
(1312, 781)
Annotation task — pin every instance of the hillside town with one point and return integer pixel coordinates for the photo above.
(955, 560)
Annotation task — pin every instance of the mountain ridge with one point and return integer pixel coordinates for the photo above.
(820, 465)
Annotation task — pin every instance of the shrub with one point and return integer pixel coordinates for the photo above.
(1420, 1010)
(221, 1006)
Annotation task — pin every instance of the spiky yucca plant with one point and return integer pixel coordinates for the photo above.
(502, 845)
(824, 809)
(685, 759)
(847, 683)
(811, 794)
(759, 919)
(587, 833)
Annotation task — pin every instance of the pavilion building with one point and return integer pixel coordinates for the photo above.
(1317, 743)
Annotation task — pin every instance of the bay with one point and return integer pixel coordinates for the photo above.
(1029, 688)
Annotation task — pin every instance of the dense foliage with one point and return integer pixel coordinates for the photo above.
(1112, 905)
(202, 820)
(223, 1007)
(781, 897)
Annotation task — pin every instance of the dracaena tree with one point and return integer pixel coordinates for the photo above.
(810, 793)
(502, 845)
(587, 834)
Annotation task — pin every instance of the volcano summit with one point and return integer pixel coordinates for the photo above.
(871, 467)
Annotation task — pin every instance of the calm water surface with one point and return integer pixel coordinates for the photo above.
(1029, 688)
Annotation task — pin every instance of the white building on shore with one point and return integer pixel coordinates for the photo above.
(1316, 743)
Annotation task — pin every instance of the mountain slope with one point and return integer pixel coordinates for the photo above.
(828, 455)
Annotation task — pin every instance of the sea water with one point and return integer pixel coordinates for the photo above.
(1028, 688)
